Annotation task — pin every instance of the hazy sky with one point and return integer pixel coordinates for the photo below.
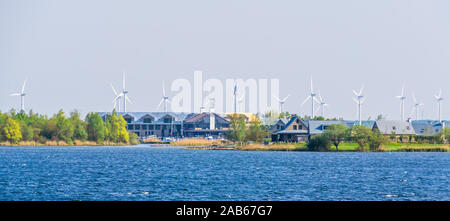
(71, 50)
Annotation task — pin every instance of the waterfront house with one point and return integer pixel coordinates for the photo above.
(427, 128)
(295, 130)
(395, 129)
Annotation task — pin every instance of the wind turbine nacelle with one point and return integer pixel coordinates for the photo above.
(125, 91)
(23, 94)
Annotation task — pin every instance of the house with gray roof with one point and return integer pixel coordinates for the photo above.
(295, 130)
(391, 127)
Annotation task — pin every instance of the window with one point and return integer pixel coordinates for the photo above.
(147, 120)
(150, 127)
(137, 127)
(393, 128)
(128, 120)
(295, 127)
(144, 127)
(130, 127)
(158, 127)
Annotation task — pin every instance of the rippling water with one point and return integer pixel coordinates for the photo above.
(171, 173)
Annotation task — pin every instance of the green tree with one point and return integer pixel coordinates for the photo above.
(27, 131)
(256, 132)
(79, 132)
(64, 128)
(95, 127)
(134, 138)
(319, 143)
(376, 141)
(336, 133)
(116, 127)
(361, 135)
(238, 128)
(11, 131)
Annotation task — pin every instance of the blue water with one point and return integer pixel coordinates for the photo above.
(172, 173)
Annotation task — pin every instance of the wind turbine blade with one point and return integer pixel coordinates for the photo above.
(123, 81)
(356, 101)
(128, 99)
(23, 86)
(414, 98)
(115, 92)
(164, 90)
(354, 92)
(15, 94)
(440, 93)
(315, 99)
(317, 110)
(312, 89)
(284, 99)
(403, 90)
(361, 90)
(159, 105)
(307, 98)
(278, 99)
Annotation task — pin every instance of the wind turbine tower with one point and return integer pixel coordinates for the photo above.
(313, 98)
(164, 99)
(416, 106)
(281, 102)
(322, 104)
(402, 98)
(124, 94)
(22, 96)
(359, 100)
(439, 100)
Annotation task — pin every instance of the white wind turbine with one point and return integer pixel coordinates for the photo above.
(439, 100)
(416, 106)
(22, 96)
(124, 95)
(359, 100)
(402, 98)
(164, 99)
(322, 104)
(313, 98)
(282, 101)
(117, 98)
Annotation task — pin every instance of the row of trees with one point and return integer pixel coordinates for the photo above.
(338, 133)
(241, 132)
(16, 127)
(363, 136)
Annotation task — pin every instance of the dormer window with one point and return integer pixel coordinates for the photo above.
(147, 120)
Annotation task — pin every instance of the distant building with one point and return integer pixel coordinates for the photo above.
(394, 127)
(159, 124)
(199, 125)
(427, 127)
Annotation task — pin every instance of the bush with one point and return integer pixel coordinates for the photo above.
(319, 143)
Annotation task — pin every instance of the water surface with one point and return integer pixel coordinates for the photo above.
(172, 173)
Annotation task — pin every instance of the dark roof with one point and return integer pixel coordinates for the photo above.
(198, 117)
(158, 116)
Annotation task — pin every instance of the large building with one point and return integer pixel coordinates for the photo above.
(170, 124)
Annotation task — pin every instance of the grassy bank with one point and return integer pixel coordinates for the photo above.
(198, 142)
(348, 147)
(62, 143)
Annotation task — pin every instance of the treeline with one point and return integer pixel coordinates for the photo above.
(21, 127)
(367, 138)
(241, 132)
